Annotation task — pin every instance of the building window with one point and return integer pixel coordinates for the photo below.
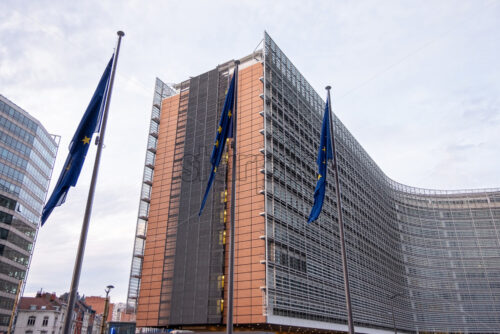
(45, 321)
(43, 332)
(31, 320)
(28, 332)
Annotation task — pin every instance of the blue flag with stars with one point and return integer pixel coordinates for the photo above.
(224, 131)
(325, 153)
(90, 123)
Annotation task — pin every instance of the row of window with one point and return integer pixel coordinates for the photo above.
(42, 180)
(9, 187)
(14, 255)
(16, 130)
(22, 210)
(6, 303)
(25, 150)
(7, 202)
(40, 163)
(47, 140)
(11, 271)
(13, 158)
(8, 287)
(14, 143)
(25, 228)
(16, 190)
(25, 135)
(422, 212)
(11, 173)
(35, 189)
(23, 164)
(41, 332)
(5, 218)
(32, 321)
(34, 205)
(49, 156)
(11, 112)
(15, 239)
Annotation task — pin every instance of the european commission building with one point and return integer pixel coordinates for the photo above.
(419, 260)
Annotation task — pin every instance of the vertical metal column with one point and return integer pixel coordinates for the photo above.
(229, 328)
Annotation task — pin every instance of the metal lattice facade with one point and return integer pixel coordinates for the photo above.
(432, 256)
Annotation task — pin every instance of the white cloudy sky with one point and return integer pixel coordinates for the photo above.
(417, 83)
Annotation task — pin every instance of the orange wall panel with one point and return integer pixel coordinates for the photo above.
(148, 307)
(249, 273)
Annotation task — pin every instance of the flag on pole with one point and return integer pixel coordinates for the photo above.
(90, 123)
(325, 153)
(224, 131)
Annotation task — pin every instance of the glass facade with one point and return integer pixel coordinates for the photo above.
(27, 156)
(162, 90)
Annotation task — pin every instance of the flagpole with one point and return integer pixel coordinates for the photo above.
(90, 199)
(350, 322)
(229, 326)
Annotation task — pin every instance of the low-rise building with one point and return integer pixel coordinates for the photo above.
(121, 314)
(42, 314)
(45, 314)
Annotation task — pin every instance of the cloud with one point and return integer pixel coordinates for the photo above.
(422, 83)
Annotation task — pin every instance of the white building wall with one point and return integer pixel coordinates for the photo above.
(53, 326)
(96, 329)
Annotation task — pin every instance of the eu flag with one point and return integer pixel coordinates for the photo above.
(79, 145)
(224, 131)
(325, 153)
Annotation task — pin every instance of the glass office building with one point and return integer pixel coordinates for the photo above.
(27, 156)
(419, 260)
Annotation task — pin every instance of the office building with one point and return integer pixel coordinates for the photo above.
(419, 260)
(27, 155)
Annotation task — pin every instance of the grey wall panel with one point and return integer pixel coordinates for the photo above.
(197, 259)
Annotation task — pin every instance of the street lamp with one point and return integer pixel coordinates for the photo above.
(106, 309)
(391, 298)
(108, 289)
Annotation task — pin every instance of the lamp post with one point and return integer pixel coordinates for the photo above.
(106, 309)
(391, 298)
